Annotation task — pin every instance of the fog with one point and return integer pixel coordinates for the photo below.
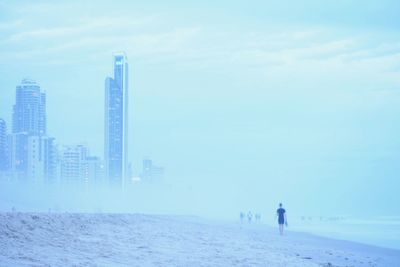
(244, 109)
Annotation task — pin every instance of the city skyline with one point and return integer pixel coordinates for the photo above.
(28, 154)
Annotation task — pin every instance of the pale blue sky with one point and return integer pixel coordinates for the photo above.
(244, 96)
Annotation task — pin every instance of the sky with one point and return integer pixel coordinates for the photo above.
(246, 104)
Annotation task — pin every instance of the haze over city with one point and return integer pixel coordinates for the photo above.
(207, 133)
(244, 105)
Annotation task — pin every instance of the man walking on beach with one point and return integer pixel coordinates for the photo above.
(281, 213)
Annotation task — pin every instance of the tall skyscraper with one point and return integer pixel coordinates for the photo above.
(116, 121)
(32, 153)
(29, 114)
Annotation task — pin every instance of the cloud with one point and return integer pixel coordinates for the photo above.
(381, 50)
(157, 38)
(83, 27)
(11, 25)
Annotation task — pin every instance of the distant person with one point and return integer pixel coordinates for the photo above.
(241, 217)
(281, 213)
(249, 216)
(258, 217)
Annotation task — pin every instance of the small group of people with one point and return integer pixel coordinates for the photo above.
(280, 214)
(249, 216)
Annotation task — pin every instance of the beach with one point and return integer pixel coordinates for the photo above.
(102, 239)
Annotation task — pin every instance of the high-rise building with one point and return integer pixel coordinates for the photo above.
(116, 122)
(29, 120)
(3, 147)
(78, 167)
(29, 114)
(41, 159)
(32, 153)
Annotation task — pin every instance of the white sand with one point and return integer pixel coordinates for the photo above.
(62, 239)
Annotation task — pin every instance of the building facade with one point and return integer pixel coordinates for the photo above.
(4, 160)
(116, 122)
(32, 153)
(51, 160)
(35, 163)
(77, 166)
(29, 112)
(18, 154)
(94, 171)
(73, 163)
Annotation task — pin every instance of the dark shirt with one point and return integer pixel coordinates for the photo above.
(281, 215)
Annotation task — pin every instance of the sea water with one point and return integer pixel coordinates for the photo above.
(383, 231)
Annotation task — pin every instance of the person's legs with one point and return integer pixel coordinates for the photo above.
(281, 229)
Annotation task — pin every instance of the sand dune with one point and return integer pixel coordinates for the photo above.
(64, 239)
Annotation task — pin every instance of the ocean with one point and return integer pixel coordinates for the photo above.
(383, 231)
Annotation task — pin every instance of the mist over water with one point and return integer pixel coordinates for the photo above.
(220, 199)
(201, 200)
